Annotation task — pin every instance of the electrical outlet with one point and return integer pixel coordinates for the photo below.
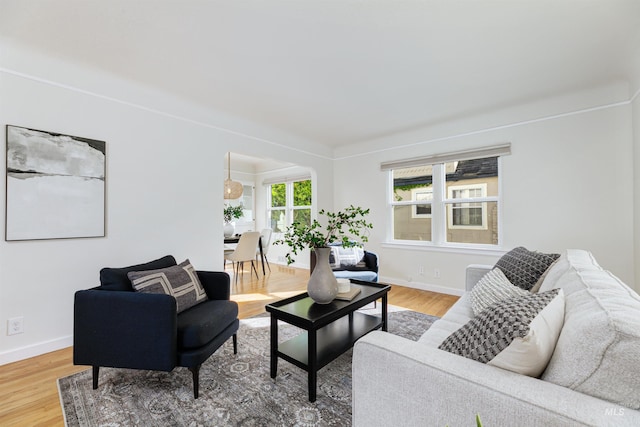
(421, 270)
(15, 325)
(436, 273)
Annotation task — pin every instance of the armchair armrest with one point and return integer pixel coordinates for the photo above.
(125, 329)
(216, 284)
(371, 260)
(425, 386)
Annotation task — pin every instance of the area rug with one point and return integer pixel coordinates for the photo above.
(235, 390)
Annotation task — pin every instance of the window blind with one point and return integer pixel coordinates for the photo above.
(476, 153)
(281, 179)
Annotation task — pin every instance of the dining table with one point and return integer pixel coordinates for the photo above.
(236, 238)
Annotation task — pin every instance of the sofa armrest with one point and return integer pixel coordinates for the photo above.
(124, 329)
(474, 273)
(397, 381)
(216, 284)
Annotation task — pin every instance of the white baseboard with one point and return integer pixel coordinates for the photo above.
(415, 285)
(423, 286)
(296, 264)
(32, 350)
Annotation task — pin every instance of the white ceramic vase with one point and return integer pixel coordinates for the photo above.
(229, 228)
(322, 286)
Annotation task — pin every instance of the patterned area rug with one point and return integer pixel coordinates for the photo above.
(235, 390)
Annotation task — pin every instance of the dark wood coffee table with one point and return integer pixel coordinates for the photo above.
(331, 329)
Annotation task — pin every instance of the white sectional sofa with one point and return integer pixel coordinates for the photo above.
(593, 377)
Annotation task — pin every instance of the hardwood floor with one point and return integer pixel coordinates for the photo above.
(28, 388)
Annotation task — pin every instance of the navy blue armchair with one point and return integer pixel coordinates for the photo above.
(114, 326)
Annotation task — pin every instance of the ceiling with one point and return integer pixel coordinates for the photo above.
(343, 71)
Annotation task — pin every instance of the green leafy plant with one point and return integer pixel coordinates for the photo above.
(344, 226)
(232, 212)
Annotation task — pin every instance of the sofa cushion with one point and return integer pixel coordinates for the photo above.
(518, 334)
(115, 279)
(200, 324)
(599, 346)
(492, 288)
(180, 281)
(523, 267)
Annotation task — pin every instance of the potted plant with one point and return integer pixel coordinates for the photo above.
(230, 213)
(348, 226)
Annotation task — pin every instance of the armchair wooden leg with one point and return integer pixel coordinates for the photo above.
(96, 372)
(235, 344)
(253, 266)
(195, 371)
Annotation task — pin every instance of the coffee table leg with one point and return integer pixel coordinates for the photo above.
(274, 346)
(384, 313)
(313, 368)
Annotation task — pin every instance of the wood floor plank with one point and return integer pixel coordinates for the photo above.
(29, 391)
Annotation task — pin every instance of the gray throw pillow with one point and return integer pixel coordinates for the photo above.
(180, 281)
(523, 267)
(492, 288)
(517, 334)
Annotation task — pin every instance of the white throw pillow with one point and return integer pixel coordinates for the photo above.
(492, 288)
(530, 355)
(517, 334)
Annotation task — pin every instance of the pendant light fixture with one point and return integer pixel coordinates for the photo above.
(232, 189)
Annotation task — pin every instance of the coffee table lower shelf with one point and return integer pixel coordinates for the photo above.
(331, 340)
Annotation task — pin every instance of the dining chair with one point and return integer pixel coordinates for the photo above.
(265, 239)
(228, 250)
(244, 251)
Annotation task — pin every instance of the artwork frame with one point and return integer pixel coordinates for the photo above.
(55, 185)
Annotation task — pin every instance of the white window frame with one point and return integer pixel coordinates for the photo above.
(451, 201)
(441, 198)
(415, 197)
(289, 208)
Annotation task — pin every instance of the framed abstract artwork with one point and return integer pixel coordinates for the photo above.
(55, 186)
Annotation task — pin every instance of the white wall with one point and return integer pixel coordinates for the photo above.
(164, 196)
(165, 166)
(567, 184)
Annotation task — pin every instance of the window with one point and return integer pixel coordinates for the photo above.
(278, 207)
(289, 202)
(469, 215)
(412, 203)
(422, 194)
(301, 208)
(446, 201)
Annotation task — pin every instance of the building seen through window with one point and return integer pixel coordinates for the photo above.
(452, 202)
